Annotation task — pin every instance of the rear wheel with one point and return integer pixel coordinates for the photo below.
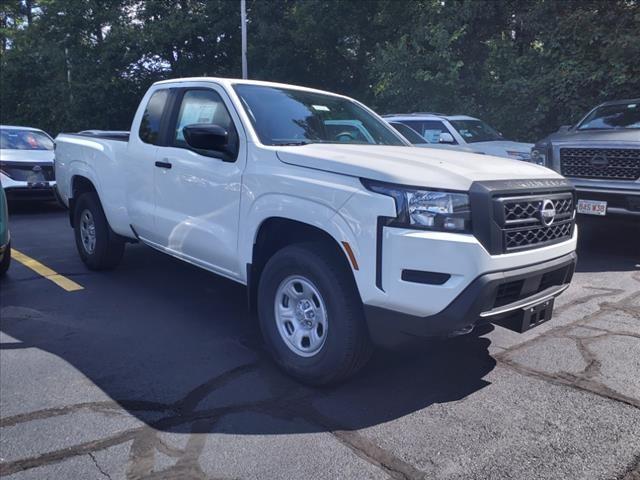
(311, 314)
(99, 247)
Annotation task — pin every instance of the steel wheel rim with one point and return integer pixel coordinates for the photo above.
(88, 231)
(301, 316)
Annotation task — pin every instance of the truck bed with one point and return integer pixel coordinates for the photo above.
(100, 156)
(119, 135)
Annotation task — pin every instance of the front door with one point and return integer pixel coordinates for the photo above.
(197, 192)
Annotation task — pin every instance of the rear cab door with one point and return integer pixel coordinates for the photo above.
(148, 132)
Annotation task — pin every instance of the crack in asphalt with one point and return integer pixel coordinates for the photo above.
(586, 380)
(368, 450)
(92, 457)
(146, 440)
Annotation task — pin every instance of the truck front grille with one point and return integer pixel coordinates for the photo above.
(28, 172)
(530, 237)
(534, 220)
(604, 163)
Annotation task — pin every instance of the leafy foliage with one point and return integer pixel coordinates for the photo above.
(525, 66)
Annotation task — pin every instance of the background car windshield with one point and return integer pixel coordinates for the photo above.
(287, 116)
(12, 139)
(626, 115)
(409, 133)
(475, 131)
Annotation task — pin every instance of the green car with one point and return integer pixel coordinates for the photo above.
(5, 240)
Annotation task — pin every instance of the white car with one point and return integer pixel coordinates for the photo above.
(26, 163)
(344, 236)
(464, 133)
(419, 141)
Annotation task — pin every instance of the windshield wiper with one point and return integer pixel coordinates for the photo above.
(296, 143)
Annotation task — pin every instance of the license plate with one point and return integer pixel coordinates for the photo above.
(592, 207)
(527, 318)
(536, 315)
(38, 184)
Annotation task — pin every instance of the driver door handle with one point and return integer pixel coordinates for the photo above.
(163, 165)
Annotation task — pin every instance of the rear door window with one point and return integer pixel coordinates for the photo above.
(151, 119)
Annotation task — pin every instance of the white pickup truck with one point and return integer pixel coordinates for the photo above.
(344, 240)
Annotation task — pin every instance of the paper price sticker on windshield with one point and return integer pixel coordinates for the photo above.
(320, 108)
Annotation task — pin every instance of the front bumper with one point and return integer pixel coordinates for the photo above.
(621, 200)
(491, 297)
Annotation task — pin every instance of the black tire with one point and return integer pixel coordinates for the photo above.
(6, 260)
(347, 346)
(109, 247)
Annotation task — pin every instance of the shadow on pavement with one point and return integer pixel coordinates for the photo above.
(33, 207)
(172, 344)
(608, 244)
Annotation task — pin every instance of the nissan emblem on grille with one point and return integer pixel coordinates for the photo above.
(599, 161)
(547, 212)
(37, 168)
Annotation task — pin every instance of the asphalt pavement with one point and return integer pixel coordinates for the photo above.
(155, 370)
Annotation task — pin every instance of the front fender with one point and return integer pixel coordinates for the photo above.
(297, 209)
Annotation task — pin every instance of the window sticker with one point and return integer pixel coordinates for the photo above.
(432, 136)
(206, 113)
(193, 112)
(321, 108)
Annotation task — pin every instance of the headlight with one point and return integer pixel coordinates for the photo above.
(519, 155)
(427, 209)
(538, 156)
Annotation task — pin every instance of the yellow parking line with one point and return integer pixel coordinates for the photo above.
(46, 272)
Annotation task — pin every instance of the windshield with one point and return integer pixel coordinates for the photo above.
(475, 131)
(14, 139)
(409, 133)
(607, 117)
(295, 117)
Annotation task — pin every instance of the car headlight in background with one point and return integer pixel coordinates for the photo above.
(526, 156)
(538, 156)
(427, 209)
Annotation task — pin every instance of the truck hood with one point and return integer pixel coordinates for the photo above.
(39, 156)
(501, 147)
(447, 169)
(629, 135)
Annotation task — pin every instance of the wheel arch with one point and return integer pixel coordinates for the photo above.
(79, 184)
(276, 232)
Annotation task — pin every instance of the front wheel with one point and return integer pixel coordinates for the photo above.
(311, 315)
(99, 247)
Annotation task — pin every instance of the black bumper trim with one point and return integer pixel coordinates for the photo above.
(390, 328)
(619, 202)
(427, 278)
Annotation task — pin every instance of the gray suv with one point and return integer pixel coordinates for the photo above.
(600, 155)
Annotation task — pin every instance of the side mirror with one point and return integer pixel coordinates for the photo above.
(206, 136)
(446, 137)
(564, 128)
